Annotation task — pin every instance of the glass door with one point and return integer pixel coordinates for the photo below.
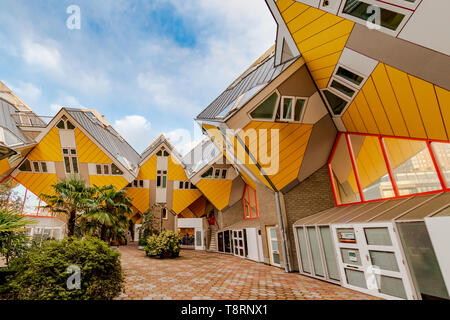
(274, 252)
(370, 260)
(238, 243)
(220, 246)
(227, 241)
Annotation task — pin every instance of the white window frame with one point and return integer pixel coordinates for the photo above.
(70, 156)
(340, 95)
(377, 3)
(340, 82)
(403, 3)
(65, 124)
(277, 106)
(347, 82)
(294, 106)
(161, 175)
(167, 214)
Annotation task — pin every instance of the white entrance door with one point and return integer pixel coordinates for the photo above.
(272, 242)
(371, 261)
(238, 243)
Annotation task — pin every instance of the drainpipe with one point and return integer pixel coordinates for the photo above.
(287, 264)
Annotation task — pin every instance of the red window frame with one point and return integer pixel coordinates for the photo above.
(247, 191)
(346, 136)
(25, 198)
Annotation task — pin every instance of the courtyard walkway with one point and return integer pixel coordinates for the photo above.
(200, 275)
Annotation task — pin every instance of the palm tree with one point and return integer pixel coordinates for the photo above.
(72, 197)
(10, 221)
(109, 208)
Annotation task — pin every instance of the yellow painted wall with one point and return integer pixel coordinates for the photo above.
(175, 171)
(320, 37)
(147, 170)
(183, 198)
(118, 182)
(395, 103)
(217, 191)
(88, 151)
(293, 140)
(141, 198)
(4, 166)
(49, 149)
(38, 183)
(187, 213)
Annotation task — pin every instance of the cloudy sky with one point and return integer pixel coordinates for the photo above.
(149, 66)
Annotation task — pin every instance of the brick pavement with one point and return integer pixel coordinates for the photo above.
(198, 275)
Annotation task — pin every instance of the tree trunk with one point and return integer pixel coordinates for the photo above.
(71, 224)
(103, 233)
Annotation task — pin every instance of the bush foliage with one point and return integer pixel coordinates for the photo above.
(41, 273)
(165, 244)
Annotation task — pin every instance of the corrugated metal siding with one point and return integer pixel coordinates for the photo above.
(7, 121)
(109, 141)
(262, 75)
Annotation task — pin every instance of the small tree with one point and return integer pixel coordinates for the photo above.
(72, 198)
(149, 224)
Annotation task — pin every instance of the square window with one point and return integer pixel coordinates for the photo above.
(44, 167)
(99, 169)
(106, 169)
(36, 166)
(186, 185)
(181, 185)
(141, 183)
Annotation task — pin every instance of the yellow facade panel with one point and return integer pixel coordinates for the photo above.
(366, 114)
(374, 103)
(88, 151)
(147, 170)
(217, 191)
(429, 108)
(324, 73)
(444, 103)
(333, 46)
(341, 29)
(303, 20)
(4, 166)
(348, 122)
(322, 23)
(175, 171)
(184, 198)
(118, 182)
(141, 198)
(38, 183)
(324, 62)
(407, 102)
(284, 4)
(356, 118)
(293, 11)
(389, 101)
(48, 149)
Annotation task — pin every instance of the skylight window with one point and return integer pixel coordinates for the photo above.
(267, 109)
(8, 138)
(336, 103)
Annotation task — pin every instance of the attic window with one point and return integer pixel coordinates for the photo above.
(115, 170)
(267, 109)
(65, 124)
(25, 166)
(336, 103)
(9, 138)
(208, 173)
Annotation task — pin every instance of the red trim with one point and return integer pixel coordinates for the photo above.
(355, 169)
(436, 165)
(396, 5)
(381, 138)
(256, 205)
(250, 216)
(388, 166)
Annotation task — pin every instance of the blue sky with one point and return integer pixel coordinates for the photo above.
(149, 66)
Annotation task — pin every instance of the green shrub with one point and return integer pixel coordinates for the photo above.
(165, 244)
(41, 273)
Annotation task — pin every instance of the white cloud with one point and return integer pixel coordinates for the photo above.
(136, 130)
(39, 55)
(182, 140)
(65, 101)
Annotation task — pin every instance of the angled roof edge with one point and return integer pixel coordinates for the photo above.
(155, 144)
(195, 164)
(283, 35)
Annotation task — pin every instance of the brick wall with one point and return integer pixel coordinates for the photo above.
(309, 197)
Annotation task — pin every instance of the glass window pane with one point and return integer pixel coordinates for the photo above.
(164, 181)
(181, 185)
(349, 76)
(389, 19)
(384, 260)
(422, 260)
(276, 258)
(73, 151)
(60, 125)
(356, 278)
(208, 173)
(67, 164)
(372, 170)
(31, 204)
(299, 105)
(273, 233)
(141, 183)
(351, 256)
(341, 88)
(287, 108)
(70, 125)
(303, 250)
(344, 176)
(266, 109)
(75, 165)
(26, 166)
(36, 166)
(315, 251)
(99, 169)
(106, 169)
(378, 236)
(217, 174)
(44, 167)
(158, 181)
(224, 174)
(186, 185)
(412, 166)
(391, 286)
(330, 255)
(337, 104)
(115, 170)
(442, 153)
